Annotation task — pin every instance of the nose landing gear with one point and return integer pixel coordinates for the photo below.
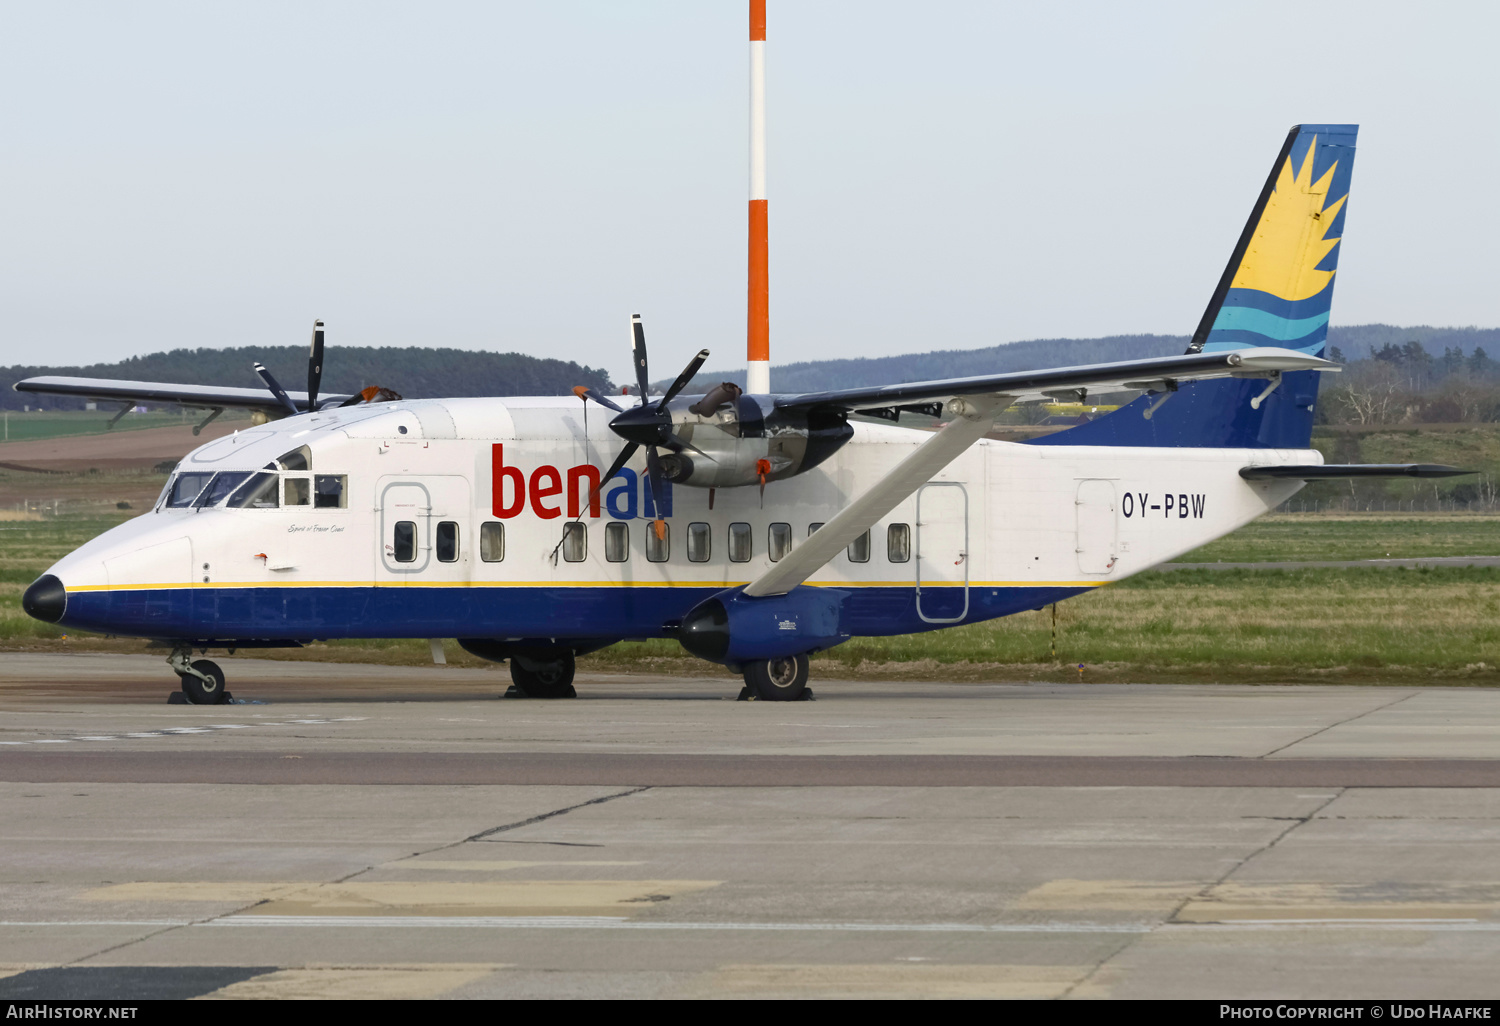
(202, 680)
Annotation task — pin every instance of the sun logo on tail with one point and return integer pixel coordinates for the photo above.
(1289, 243)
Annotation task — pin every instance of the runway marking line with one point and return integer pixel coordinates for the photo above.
(621, 923)
(205, 728)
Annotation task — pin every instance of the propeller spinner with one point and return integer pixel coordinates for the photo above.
(649, 424)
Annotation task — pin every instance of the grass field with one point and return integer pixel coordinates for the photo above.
(16, 426)
(1324, 625)
(1299, 537)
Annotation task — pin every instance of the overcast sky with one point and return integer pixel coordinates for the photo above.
(523, 176)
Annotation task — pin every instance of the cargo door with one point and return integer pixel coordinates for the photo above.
(1098, 527)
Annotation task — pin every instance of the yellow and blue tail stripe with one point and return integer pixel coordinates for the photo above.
(1277, 290)
(1278, 287)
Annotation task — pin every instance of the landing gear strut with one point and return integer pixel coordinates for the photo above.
(535, 678)
(202, 680)
(777, 680)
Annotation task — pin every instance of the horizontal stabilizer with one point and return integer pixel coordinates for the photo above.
(1324, 471)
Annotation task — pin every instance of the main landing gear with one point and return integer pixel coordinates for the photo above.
(537, 678)
(202, 680)
(777, 680)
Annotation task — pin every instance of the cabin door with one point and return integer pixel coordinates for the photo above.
(942, 552)
(424, 529)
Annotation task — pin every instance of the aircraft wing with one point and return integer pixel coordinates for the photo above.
(1072, 384)
(195, 396)
(976, 417)
(980, 398)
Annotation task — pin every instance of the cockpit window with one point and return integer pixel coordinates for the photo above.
(185, 488)
(222, 485)
(257, 493)
(298, 459)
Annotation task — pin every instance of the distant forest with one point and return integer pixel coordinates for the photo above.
(1394, 375)
(413, 372)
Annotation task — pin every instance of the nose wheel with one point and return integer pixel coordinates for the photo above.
(202, 679)
(777, 680)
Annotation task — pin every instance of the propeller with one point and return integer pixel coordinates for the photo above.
(276, 390)
(315, 365)
(372, 394)
(648, 425)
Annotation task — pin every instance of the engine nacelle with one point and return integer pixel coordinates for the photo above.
(732, 628)
(747, 442)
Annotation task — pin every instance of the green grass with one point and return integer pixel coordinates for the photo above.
(1321, 536)
(1437, 626)
(21, 427)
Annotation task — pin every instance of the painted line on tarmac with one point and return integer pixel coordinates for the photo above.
(205, 728)
(617, 923)
(77, 763)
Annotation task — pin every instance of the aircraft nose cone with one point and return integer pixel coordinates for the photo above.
(642, 425)
(45, 599)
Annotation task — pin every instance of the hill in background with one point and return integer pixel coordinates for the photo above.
(1356, 342)
(427, 373)
(416, 373)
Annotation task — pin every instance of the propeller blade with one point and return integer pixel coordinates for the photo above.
(638, 354)
(277, 390)
(614, 468)
(683, 378)
(315, 366)
(584, 392)
(658, 490)
(683, 443)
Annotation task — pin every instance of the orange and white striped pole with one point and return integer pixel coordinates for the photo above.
(758, 334)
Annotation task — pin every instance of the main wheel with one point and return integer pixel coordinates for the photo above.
(777, 680)
(551, 679)
(202, 692)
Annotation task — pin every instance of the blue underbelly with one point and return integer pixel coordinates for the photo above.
(459, 612)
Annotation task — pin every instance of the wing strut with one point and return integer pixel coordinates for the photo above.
(975, 417)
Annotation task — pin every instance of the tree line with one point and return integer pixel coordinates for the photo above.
(413, 372)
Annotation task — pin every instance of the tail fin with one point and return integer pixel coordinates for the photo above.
(1277, 290)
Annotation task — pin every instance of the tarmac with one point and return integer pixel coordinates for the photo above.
(357, 831)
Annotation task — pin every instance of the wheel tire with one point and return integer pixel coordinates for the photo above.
(778, 680)
(200, 692)
(552, 679)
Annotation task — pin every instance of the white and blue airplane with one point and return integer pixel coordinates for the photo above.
(756, 530)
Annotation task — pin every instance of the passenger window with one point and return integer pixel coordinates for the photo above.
(575, 546)
(492, 541)
(616, 542)
(260, 492)
(446, 541)
(812, 529)
(739, 543)
(898, 543)
(328, 491)
(298, 459)
(404, 544)
(296, 491)
(780, 541)
(859, 549)
(186, 488)
(658, 549)
(700, 541)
